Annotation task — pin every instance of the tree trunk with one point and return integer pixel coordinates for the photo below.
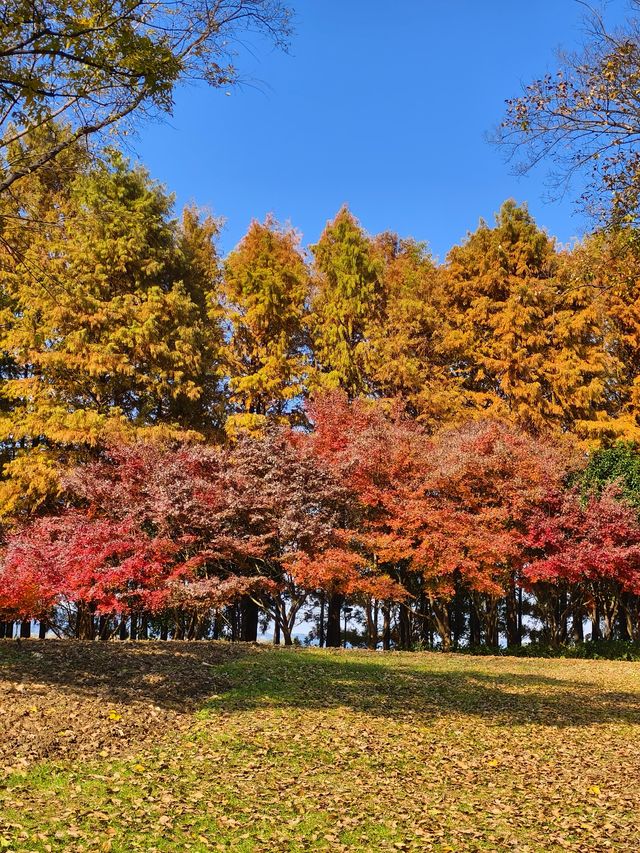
(249, 614)
(321, 637)
(144, 627)
(577, 627)
(458, 614)
(442, 623)
(122, 632)
(134, 626)
(25, 629)
(595, 622)
(404, 628)
(491, 622)
(386, 626)
(520, 615)
(42, 629)
(513, 635)
(333, 620)
(372, 628)
(474, 622)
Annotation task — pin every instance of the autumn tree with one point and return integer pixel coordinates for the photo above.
(525, 345)
(584, 117)
(348, 299)
(112, 325)
(606, 265)
(589, 550)
(266, 290)
(408, 343)
(90, 65)
(144, 529)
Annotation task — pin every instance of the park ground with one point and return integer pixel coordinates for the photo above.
(211, 746)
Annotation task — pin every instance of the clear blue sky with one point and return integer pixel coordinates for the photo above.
(382, 105)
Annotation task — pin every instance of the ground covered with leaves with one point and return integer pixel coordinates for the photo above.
(207, 746)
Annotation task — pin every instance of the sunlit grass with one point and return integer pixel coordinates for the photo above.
(307, 750)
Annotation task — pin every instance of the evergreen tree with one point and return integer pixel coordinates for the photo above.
(409, 359)
(111, 326)
(266, 290)
(348, 300)
(525, 345)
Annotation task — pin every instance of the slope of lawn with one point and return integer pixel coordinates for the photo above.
(206, 746)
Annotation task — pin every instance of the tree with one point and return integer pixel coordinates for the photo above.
(348, 298)
(468, 515)
(525, 345)
(617, 464)
(585, 116)
(593, 546)
(605, 267)
(92, 64)
(144, 528)
(112, 325)
(408, 356)
(305, 506)
(266, 290)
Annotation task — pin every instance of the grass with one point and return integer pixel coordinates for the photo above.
(304, 750)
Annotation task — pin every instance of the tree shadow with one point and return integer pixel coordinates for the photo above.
(183, 676)
(175, 675)
(423, 688)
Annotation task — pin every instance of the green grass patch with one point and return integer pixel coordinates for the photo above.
(304, 750)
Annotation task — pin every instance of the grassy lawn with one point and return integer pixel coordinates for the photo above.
(164, 747)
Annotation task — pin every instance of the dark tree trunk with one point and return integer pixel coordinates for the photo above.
(134, 626)
(249, 613)
(277, 632)
(474, 623)
(404, 628)
(333, 620)
(442, 623)
(42, 629)
(425, 627)
(85, 623)
(25, 629)
(520, 615)
(577, 627)
(596, 634)
(144, 627)
(123, 633)
(513, 633)
(321, 637)
(372, 627)
(233, 612)
(386, 626)
(458, 615)
(164, 629)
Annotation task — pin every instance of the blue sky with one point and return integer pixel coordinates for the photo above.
(384, 106)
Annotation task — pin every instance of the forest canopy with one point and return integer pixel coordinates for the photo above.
(343, 433)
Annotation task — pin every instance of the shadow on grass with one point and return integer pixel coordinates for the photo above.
(176, 675)
(183, 676)
(424, 688)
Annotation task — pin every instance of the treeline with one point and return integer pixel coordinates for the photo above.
(196, 446)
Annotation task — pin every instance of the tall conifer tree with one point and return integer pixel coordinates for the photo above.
(112, 327)
(266, 292)
(348, 301)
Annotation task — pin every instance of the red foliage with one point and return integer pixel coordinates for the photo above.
(456, 503)
(575, 540)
